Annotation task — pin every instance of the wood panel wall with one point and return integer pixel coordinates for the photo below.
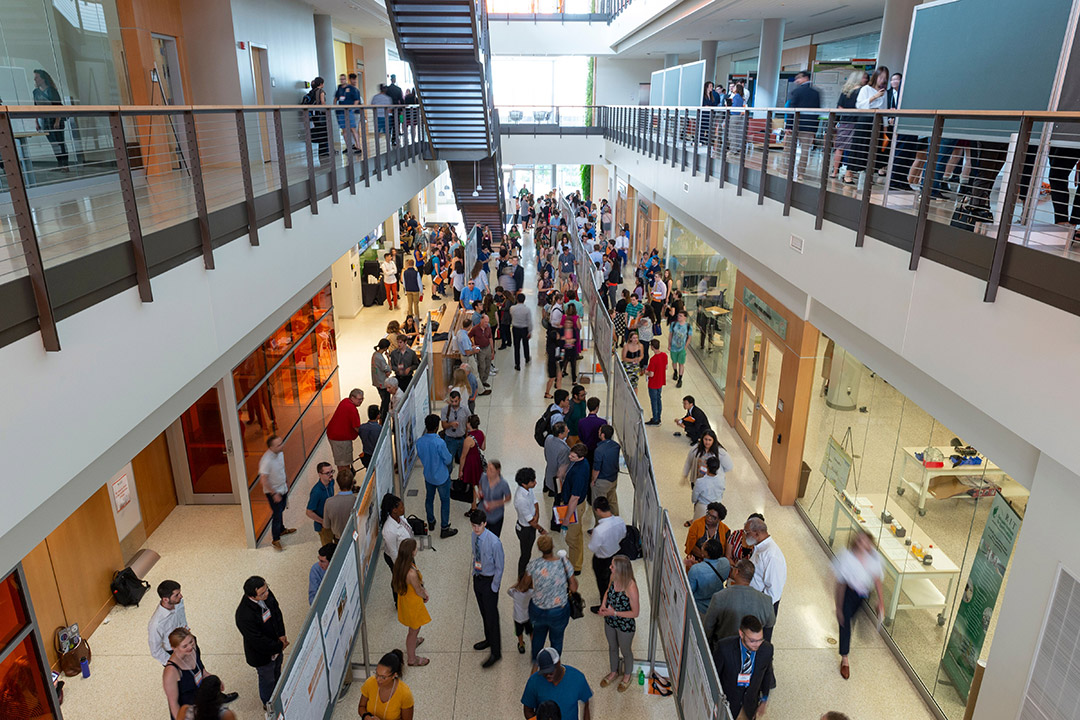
(154, 483)
(48, 608)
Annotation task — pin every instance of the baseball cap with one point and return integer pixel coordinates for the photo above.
(547, 660)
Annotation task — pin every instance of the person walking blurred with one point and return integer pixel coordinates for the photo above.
(859, 570)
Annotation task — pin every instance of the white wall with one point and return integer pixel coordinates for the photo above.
(616, 81)
(552, 150)
(287, 29)
(129, 369)
(517, 37)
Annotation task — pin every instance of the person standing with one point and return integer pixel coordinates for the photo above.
(553, 580)
(275, 487)
(481, 336)
(554, 682)
(454, 421)
(528, 516)
(412, 598)
(369, 434)
(605, 468)
(380, 373)
(45, 93)
(679, 335)
(436, 459)
(744, 666)
(390, 280)
(578, 410)
(318, 570)
(575, 490)
(621, 605)
(708, 576)
(320, 135)
(802, 95)
(321, 491)
(347, 94)
(589, 426)
(472, 468)
(260, 622)
(709, 526)
(403, 361)
(859, 570)
(487, 556)
(521, 326)
(656, 372)
(709, 488)
(168, 616)
(343, 429)
(604, 544)
(413, 283)
(182, 674)
(556, 457)
(729, 606)
(771, 573)
(494, 494)
(338, 509)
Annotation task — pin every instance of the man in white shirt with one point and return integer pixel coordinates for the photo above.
(770, 566)
(389, 278)
(604, 544)
(658, 295)
(168, 615)
(276, 487)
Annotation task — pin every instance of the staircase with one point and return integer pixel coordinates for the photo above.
(446, 43)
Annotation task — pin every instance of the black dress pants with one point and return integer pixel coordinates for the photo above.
(521, 343)
(488, 602)
(526, 539)
(602, 569)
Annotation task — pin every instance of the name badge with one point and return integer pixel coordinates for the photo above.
(266, 615)
(743, 679)
(198, 677)
(476, 565)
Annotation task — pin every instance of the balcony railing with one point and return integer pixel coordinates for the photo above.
(556, 10)
(986, 193)
(548, 120)
(116, 183)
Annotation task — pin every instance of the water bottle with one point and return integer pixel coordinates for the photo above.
(85, 665)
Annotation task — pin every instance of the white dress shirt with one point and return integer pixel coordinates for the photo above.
(525, 504)
(606, 536)
(393, 532)
(163, 622)
(770, 569)
(709, 489)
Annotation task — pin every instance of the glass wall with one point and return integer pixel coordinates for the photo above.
(538, 84)
(23, 689)
(288, 387)
(944, 524)
(706, 280)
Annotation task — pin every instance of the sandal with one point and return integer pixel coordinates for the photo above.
(421, 662)
(548, 395)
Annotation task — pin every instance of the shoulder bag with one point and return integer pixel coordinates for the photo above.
(573, 598)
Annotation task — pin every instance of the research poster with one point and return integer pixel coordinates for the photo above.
(980, 595)
(695, 692)
(306, 692)
(340, 618)
(404, 426)
(367, 524)
(836, 465)
(646, 510)
(673, 592)
(384, 469)
(421, 399)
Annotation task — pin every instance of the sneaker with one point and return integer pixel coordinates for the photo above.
(448, 532)
(679, 383)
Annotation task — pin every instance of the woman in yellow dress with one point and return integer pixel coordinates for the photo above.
(409, 585)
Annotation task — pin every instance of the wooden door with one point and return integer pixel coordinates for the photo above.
(154, 483)
(45, 596)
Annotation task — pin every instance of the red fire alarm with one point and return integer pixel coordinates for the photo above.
(242, 45)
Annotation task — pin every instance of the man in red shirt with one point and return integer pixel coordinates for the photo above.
(343, 428)
(657, 374)
(480, 334)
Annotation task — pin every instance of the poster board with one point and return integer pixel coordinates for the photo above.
(699, 689)
(383, 465)
(603, 338)
(672, 78)
(405, 428)
(339, 619)
(647, 520)
(673, 594)
(980, 595)
(656, 88)
(366, 523)
(692, 84)
(305, 690)
(836, 465)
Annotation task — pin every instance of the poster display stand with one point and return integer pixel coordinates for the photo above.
(672, 594)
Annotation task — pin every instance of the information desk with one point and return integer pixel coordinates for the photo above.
(444, 352)
(910, 576)
(924, 474)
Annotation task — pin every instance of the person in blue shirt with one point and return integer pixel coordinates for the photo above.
(708, 576)
(487, 570)
(318, 570)
(321, 491)
(348, 94)
(436, 459)
(563, 684)
(575, 489)
(470, 294)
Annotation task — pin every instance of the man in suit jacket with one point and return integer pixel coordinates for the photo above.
(259, 620)
(744, 664)
(694, 423)
(802, 95)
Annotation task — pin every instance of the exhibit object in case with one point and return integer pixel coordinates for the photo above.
(984, 470)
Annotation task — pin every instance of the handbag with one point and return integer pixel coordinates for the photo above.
(573, 598)
(71, 661)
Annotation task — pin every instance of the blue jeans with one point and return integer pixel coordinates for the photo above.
(277, 510)
(454, 444)
(654, 400)
(268, 677)
(548, 622)
(945, 150)
(444, 503)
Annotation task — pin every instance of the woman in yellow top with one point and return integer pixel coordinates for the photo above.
(384, 696)
(408, 583)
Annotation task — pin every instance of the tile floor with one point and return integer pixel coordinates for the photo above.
(203, 548)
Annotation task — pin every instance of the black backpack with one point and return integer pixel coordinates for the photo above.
(543, 427)
(630, 545)
(127, 588)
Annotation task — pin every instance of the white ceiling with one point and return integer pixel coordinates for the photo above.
(361, 18)
(736, 24)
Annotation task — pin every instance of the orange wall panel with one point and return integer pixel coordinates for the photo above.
(48, 608)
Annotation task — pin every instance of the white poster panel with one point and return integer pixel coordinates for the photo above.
(421, 399)
(341, 616)
(646, 512)
(695, 692)
(404, 426)
(306, 693)
(384, 469)
(671, 618)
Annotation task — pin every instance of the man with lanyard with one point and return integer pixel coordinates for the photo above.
(678, 338)
(454, 417)
(566, 261)
(487, 554)
(261, 624)
(575, 490)
(744, 666)
(404, 362)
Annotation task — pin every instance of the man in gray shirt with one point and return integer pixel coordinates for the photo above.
(404, 363)
(556, 457)
(728, 606)
(521, 326)
(454, 424)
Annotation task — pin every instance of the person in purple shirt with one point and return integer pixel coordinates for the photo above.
(589, 426)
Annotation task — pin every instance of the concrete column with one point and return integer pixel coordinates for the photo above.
(431, 192)
(324, 51)
(895, 29)
(391, 234)
(723, 69)
(768, 72)
(671, 60)
(708, 54)
(374, 66)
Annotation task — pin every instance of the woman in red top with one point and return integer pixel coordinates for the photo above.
(471, 467)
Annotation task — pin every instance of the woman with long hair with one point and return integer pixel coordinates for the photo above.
(384, 695)
(209, 702)
(845, 124)
(620, 606)
(858, 571)
(45, 93)
(697, 460)
(471, 455)
(183, 672)
(631, 358)
(872, 96)
(409, 586)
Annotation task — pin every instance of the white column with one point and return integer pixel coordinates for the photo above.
(768, 72)
(895, 30)
(708, 54)
(324, 52)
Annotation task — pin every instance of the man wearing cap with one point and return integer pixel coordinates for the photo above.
(562, 684)
(470, 294)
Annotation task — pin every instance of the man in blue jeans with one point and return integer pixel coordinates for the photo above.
(436, 458)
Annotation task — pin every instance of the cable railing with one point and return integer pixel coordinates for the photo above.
(556, 10)
(87, 180)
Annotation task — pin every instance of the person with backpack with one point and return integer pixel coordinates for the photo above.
(319, 132)
(604, 544)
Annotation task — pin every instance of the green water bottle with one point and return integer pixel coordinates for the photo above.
(641, 676)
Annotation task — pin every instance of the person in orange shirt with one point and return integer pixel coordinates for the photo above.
(705, 528)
